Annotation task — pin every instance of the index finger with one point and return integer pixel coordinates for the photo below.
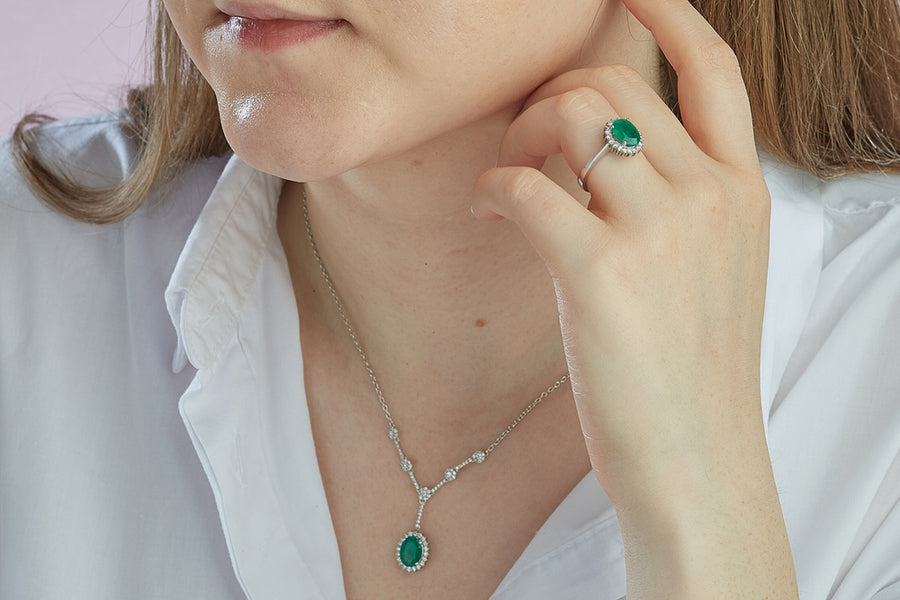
(712, 97)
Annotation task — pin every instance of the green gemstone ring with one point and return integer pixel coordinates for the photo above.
(622, 137)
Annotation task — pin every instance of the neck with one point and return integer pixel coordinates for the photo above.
(447, 308)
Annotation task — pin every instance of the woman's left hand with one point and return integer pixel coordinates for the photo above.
(660, 282)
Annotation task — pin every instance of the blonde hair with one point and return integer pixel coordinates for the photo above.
(175, 120)
(823, 78)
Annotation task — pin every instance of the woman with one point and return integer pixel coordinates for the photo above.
(436, 212)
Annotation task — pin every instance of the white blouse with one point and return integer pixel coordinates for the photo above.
(144, 461)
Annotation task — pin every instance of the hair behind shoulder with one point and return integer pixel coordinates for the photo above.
(823, 78)
(175, 120)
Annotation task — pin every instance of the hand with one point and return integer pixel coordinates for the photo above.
(660, 282)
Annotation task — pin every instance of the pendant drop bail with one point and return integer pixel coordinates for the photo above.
(419, 515)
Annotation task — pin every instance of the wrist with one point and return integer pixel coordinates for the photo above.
(708, 535)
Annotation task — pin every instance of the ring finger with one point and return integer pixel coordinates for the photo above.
(573, 123)
(670, 149)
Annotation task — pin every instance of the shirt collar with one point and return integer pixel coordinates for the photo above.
(219, 262)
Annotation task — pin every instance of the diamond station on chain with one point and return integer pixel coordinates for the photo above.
(406, 465)
(425, 493)
(450, 474)
(392, 433)
(478, 456)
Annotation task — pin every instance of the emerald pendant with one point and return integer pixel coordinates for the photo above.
(412, 551)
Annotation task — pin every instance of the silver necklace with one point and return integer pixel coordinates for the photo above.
(412, 549)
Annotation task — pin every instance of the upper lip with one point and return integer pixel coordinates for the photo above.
(264, 12)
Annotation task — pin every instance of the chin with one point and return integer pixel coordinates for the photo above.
(290, 143)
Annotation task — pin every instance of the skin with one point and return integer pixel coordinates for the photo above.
(648, 289)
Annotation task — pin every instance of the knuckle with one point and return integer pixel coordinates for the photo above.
(716, 201)
(710, 199)
(578, 104)
(619, 75)
(521, 183)
(720, 56)
(713, 189)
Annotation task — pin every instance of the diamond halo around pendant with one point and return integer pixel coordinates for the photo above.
(412, 551)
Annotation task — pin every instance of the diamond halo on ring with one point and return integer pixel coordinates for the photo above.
(622, 137)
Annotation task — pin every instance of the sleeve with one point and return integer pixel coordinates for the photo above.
(892, 592)
(834, 425)
(861, 280)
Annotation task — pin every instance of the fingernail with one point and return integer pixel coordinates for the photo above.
(486, 215)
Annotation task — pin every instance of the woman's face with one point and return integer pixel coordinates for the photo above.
(389, 77)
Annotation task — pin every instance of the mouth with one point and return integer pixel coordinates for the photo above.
(270, 28)
(259, 11)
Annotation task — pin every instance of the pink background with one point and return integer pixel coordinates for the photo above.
(68, 57)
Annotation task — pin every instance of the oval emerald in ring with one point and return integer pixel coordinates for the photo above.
(623, 137)
(626, 132)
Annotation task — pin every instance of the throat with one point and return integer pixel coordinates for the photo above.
(460, 319)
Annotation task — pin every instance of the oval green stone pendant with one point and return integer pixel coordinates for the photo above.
(412, 551)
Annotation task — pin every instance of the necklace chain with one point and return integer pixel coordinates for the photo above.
(479, 456)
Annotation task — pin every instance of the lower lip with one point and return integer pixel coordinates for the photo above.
(272, 35)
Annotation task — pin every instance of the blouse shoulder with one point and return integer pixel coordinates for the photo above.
(95, 150)
(850, 194)
(47, 254)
